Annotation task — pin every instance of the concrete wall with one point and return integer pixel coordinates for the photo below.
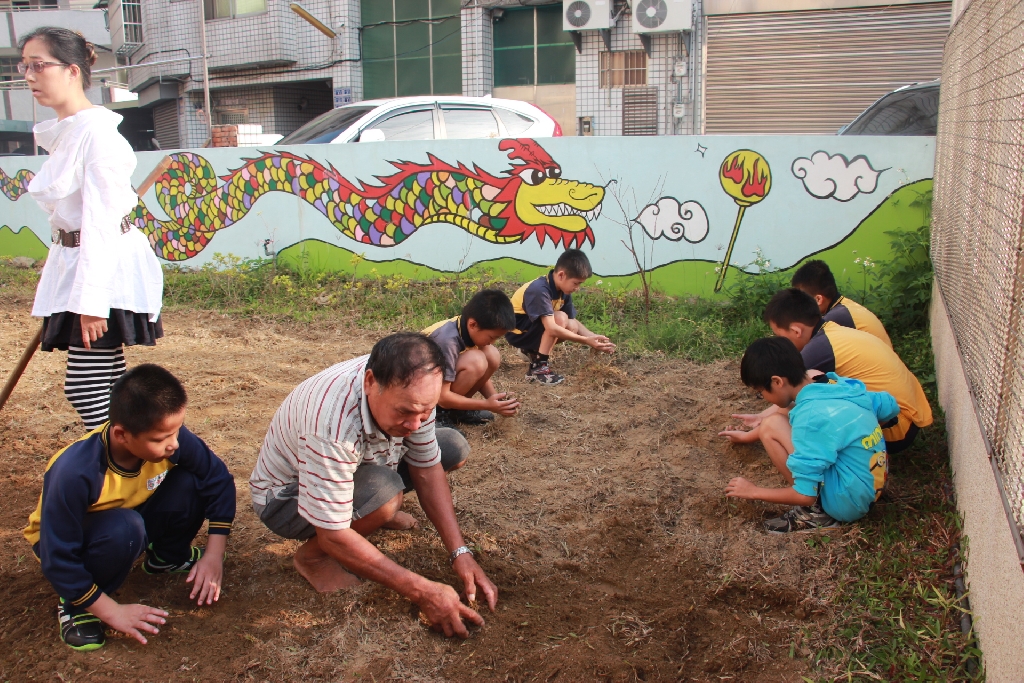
(994, 575)
(17, 24)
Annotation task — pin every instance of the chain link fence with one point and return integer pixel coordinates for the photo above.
(978, 224)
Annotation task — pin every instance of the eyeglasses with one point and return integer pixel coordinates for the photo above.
(36, 67)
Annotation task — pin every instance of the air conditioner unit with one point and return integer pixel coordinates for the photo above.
(660, 16)
(586, 15)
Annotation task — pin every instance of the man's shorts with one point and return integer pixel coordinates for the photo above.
(373, 486)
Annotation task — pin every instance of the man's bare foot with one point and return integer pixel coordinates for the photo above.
(402, 521)
(321, 570)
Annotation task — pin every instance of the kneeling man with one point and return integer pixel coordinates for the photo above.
(340, 454)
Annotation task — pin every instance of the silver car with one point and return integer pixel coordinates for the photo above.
(426, 118)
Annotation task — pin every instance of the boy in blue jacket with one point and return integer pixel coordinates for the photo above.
(139, 483)
(836, 463)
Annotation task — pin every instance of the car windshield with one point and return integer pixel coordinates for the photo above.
(326, 127)
(906, 112)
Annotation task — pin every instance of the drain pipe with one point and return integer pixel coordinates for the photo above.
(964, 605)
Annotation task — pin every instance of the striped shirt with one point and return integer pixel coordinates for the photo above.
(319, 436)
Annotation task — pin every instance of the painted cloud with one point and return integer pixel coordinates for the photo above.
(834, 176)
(674, 221)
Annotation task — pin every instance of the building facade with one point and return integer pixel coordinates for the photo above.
(720, 60)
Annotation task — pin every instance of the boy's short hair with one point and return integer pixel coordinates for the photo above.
(790, 306)
(771, 357)
(398, 359)
(575, 264)
(815, 277)
(145, 395)
(491, 309)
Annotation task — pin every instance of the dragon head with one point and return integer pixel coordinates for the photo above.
(541, 202)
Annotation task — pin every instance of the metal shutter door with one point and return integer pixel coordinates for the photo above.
(165, 125)
(814, 71)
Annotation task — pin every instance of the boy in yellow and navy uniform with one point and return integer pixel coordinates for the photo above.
(139, 483)
(829, 347)
(545, 315)
(470, 359)
(815, 278)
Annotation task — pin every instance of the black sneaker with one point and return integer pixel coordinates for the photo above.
(471, 417)
(154, 565)
(443, 420)
(81, 632)
(541, 373)
(801, 518)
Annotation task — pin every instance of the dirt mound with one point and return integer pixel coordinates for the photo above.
(598, 513)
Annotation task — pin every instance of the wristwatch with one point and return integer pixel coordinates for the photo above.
(461, 550)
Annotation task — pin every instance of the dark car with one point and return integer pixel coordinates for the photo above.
(910, 110)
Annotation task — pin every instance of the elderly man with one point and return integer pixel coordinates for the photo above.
(340, 454)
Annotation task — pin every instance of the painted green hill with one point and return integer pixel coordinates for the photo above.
(21, 243)
(900, 210)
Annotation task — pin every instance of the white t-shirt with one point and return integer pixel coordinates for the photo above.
(85, 184)
(319, 436)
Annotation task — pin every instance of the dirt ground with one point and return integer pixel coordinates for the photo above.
(597, 512)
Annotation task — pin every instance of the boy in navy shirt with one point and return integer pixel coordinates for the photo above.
(545, 315)
(470, 359)
(139, 483)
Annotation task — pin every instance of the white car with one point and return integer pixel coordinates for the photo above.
(426, 118)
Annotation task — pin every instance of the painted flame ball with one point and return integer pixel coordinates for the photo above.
(746, 177)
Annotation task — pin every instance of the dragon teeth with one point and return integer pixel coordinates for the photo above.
(563, 209)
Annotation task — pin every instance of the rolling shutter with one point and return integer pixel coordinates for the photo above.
(814, 71)
(640, 111)
(165, 125)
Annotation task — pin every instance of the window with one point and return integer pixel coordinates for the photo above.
(227, 9)
(530, 48)
(9, 69)
(411, 47)
(326, 127)
(623, 69)
(469, 124)
(515, 123)
(409, 125)
(131, 19)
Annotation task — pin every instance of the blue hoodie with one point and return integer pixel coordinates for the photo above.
(839, 452)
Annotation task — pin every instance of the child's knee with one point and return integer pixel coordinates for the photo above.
(493, 358)
(775, 427)
(561, 319)
(474, 362)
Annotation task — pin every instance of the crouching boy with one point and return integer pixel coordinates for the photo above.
(139, 483)
(545, 315)
(470, 358)
(835, 462)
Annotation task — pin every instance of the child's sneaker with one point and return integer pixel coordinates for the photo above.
(541, 373)
(154, 565)
(471, 417)
(801, 518)
(81, 632)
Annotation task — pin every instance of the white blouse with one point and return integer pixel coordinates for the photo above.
(85, 184)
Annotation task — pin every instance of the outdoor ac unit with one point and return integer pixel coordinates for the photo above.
(586, 15)
(659, 16)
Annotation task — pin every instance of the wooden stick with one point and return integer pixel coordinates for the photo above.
(30, 350)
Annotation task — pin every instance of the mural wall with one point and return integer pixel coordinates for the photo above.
(679, 206)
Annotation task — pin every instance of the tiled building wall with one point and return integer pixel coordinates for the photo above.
(288, 49)
(477, 52)
(604, 105)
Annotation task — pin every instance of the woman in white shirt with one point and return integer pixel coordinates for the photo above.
(102, 285)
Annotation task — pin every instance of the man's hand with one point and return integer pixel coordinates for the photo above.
(601, 343)
(473, 578)
(444, 610)
(740, 488)
(130, 620)
(503, 404)
(208, 574)
(92, 329)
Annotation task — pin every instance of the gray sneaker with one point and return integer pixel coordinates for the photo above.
(801, 518)
(541, 373)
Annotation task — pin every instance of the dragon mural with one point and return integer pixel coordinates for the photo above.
(531, 200)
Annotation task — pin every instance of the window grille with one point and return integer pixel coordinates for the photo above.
(411, 47)
(623, 69)
(530, 48)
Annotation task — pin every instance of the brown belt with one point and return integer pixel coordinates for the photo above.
(74, 239)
